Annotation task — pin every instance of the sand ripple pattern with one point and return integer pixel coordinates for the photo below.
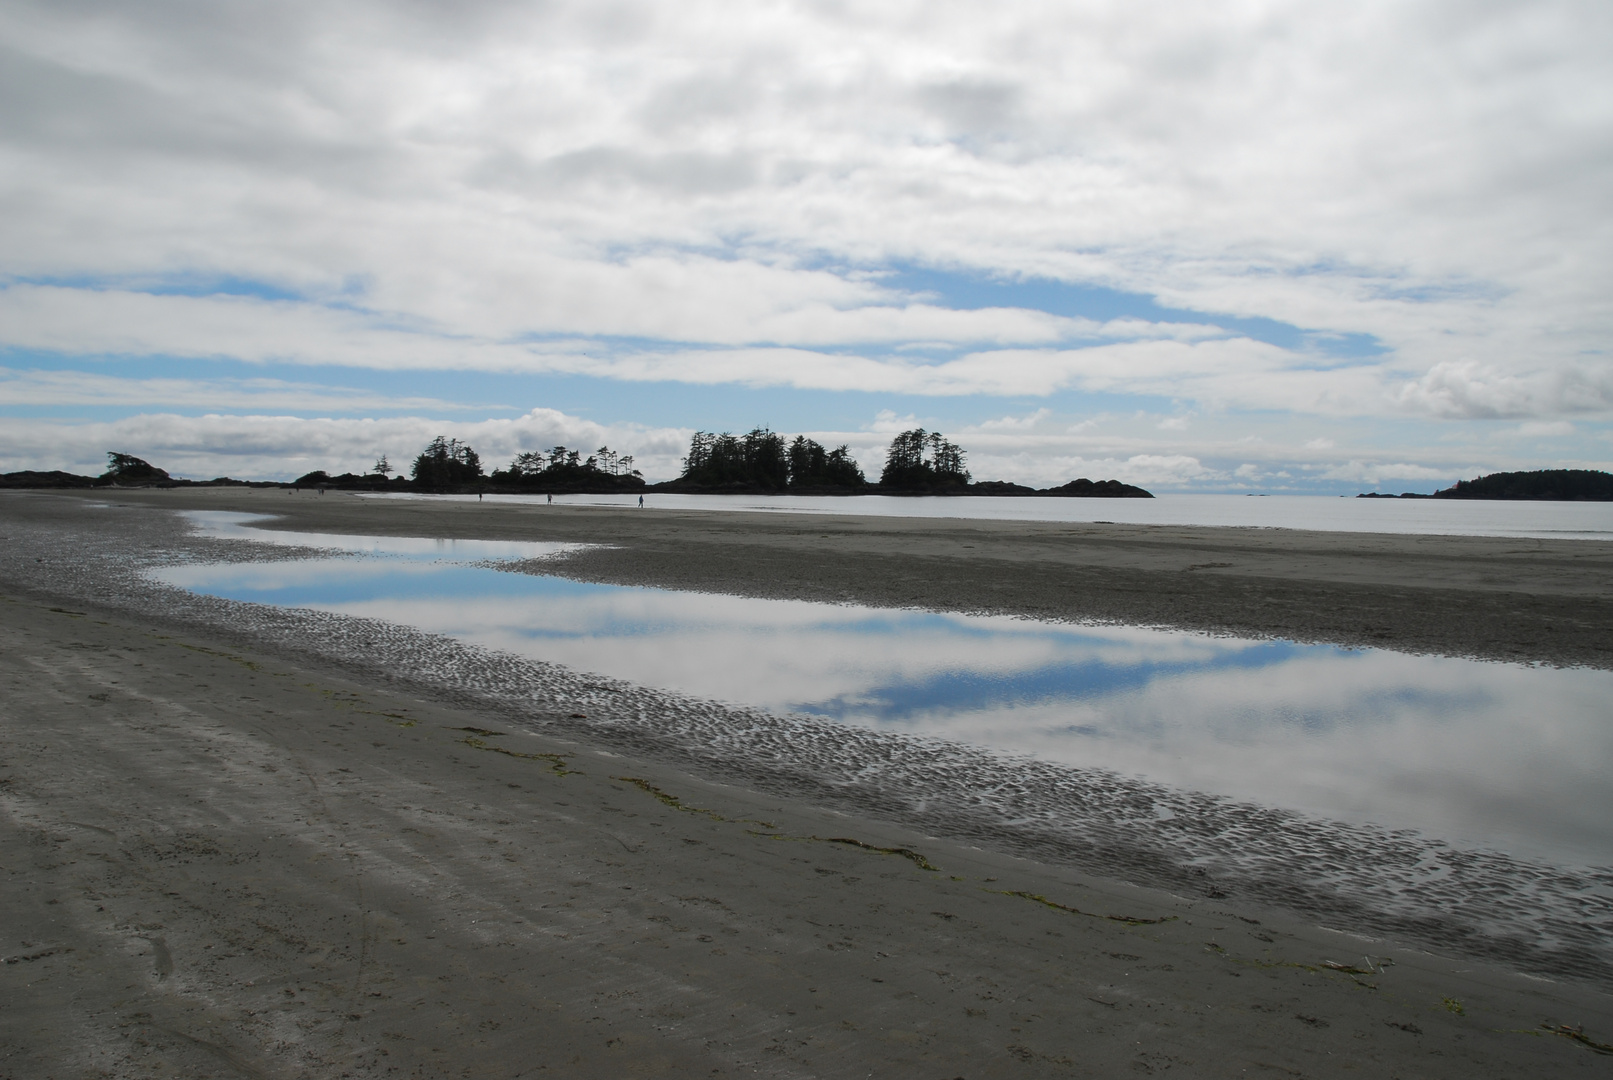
(1550, 920)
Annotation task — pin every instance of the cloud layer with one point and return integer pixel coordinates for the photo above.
(729, 196)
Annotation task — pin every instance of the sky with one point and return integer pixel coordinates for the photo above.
(1320, 247)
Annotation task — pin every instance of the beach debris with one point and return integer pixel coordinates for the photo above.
(477, 741)
(1350, 969)
(676, 803)
(1578, 1035)
(37, 954)
(1129, 920)
(909, 854)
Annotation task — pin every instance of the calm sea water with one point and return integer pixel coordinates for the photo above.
(1507, 756)
(1544, 520)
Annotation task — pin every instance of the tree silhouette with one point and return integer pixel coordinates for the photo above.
(530, 463)
(567, 468)
(127, 467)
(923, 459)
(446, 463)
(756, 459)
(813, 466)
(761, 459)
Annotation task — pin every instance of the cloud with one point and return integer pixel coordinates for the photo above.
(1048, 453)
(1466, 389)
(1371, 473)
(510, 171)
(1547, 429)
(283, 447)
(886, 422)
(722, 197)
(35, 387)
(1013, 423)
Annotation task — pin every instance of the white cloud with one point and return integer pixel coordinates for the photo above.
(1049, 453)
(35, 387)
(713, 195)
(1013, 423)
(1546, 429)
(1468, 389)
(1371, 473)
(283, 447)
(887, 422)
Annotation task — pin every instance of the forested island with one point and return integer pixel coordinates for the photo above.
(1542, 485)
(759, 462)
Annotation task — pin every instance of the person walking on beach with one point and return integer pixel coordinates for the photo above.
(641, 502)
(551, 499)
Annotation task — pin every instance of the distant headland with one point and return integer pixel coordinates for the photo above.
(1542, 485)
(759, 462)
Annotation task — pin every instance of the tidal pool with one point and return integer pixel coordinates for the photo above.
(1504, 756)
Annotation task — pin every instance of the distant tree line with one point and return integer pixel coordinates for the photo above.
(761, 459)
(1541, 485)
(1561, 485)
(448, 464)
(565, 469)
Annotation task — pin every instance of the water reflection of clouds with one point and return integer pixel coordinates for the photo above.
(1489, 752)
(226, 525)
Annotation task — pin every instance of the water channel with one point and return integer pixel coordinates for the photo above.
(1503, 756)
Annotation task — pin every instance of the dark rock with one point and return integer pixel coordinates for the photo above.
(1101, 489)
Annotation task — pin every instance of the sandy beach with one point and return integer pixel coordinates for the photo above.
(257, 843)
(1548, 601)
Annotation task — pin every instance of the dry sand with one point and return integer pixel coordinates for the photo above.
(227, 853)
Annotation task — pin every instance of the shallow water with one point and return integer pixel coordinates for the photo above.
(1421, 517)
(1503, 756)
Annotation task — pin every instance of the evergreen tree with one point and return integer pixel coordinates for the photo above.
(923, 459)
(446, 463)
(813, 466)
(530, 463)
(758, 458)
(127, 468)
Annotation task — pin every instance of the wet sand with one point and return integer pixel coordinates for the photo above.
(1548, 601)
(227, 857)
